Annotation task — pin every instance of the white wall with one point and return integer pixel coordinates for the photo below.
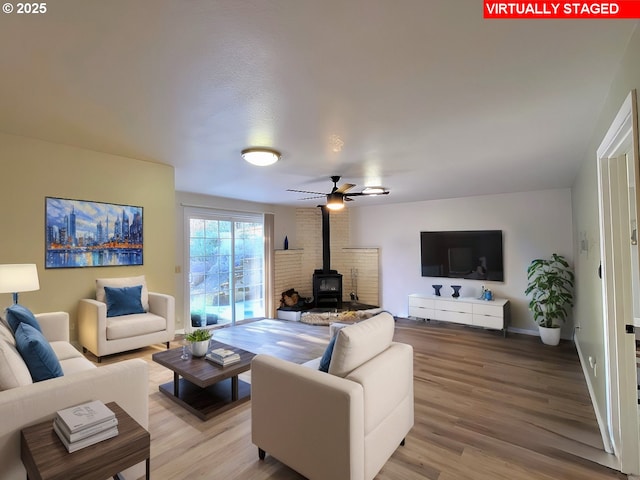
(534, 224)
(588, 309)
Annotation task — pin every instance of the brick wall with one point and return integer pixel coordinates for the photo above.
(359, 266)
(288, 272)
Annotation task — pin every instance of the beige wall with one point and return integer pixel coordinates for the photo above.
(31, 170)
(588, 307)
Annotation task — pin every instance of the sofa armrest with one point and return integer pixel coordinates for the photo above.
(387, 381)
(92, 323)
(55, 325)
(124, 382)
(164, 306)
(310, 420)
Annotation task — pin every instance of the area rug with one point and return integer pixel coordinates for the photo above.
(327, 318)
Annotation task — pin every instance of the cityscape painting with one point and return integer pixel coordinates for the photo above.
(79, 233)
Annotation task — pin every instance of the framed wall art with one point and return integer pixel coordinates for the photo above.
(80, 233)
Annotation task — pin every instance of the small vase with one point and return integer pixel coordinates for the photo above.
(456, 290)
(286, 243)
(437, 289)
(199, 349)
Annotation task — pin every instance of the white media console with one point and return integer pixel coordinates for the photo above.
(493, 314)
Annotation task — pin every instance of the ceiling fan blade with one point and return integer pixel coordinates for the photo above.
(306, 191)
(344, 187)
(347, 199)
(312, 198)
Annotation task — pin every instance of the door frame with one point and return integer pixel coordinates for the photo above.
(225, 215)
(616, 191)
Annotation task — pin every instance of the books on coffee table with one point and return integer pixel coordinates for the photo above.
(223, 356)
(85, 424)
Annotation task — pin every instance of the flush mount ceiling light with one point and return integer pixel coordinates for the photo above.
(335, 201)
(261, 157)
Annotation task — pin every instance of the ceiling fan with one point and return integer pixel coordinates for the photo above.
(338, 195)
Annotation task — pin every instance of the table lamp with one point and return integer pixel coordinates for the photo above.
(16, 278)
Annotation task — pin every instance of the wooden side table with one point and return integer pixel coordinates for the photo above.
(45, 457)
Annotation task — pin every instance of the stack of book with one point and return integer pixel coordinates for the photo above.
(223, 356)
(85, 424)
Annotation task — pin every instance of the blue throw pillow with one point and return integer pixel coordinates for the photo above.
(123, 300)
(325, 361)
(17, 314)
(37, 353)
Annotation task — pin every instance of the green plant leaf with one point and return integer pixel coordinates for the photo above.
(550, 285)
(199, 335)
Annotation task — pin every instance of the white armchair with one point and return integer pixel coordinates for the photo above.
(344, 424)
(103, 335)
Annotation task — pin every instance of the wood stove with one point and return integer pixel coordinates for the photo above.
(327, 289)
(327, 283)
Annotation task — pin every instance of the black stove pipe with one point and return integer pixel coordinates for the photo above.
(326, 241)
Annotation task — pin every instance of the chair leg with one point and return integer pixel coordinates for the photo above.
(402, 442)
(168, 345)
(261, 453)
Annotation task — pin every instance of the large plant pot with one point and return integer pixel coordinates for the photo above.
(199, 349)
(549, 336)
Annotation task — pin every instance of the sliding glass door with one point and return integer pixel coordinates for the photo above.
(226, 278)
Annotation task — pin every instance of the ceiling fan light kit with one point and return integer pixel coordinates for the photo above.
(338, 195)
(260, 156)
(335, 201)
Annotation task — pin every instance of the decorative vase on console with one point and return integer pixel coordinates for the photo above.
(437, 289)
(456, 290)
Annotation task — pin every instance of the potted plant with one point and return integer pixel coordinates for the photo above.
(550, 284)
(199, 340)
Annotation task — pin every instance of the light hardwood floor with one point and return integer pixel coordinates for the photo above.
(486, 408)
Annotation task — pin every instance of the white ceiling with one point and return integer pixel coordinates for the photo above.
(430, 100)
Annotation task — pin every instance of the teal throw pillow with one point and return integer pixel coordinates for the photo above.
(123, 300)
(37, 353)
(17, 314)
(325, 361)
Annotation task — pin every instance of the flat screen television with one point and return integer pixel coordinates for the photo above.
(475, 255)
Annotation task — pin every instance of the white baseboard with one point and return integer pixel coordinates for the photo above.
(604, 430)
(523, 331)
(534, 333)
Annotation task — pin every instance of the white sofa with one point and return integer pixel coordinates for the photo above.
(125, 383)
(102, 335)
(344, 424)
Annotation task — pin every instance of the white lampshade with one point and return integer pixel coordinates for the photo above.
(261, 157)
(16, 278)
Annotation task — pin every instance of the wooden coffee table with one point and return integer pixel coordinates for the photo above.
(205, 389)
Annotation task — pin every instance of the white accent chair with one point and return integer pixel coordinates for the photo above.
(344, 424)
(102, 335)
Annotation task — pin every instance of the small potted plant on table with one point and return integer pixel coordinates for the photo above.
(199, 340)
(550, 284)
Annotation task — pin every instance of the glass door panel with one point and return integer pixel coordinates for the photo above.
(226, 270)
